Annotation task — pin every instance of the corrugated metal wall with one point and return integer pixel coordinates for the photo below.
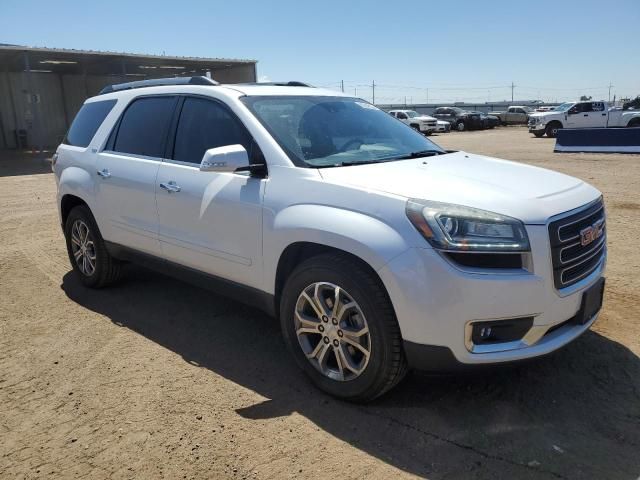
(47, 112)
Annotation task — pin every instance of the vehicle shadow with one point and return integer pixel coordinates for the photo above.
(14, 162)
(575, 414)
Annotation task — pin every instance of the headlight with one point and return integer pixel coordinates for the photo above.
(459, 228)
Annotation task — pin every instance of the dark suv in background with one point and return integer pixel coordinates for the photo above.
(459, 119)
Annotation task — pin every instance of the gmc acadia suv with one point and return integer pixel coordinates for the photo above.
(377, 249)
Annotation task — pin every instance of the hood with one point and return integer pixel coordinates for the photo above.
(423, 118)
(528, 193)
(543, 114)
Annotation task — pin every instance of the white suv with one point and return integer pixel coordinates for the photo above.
(377, 249)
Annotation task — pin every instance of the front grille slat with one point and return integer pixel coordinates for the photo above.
(571, 260)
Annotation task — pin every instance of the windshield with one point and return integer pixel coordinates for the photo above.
(412, 114)
(564, 107)
(333, 131)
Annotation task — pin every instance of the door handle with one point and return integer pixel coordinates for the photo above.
(170, 187)
(104, 173)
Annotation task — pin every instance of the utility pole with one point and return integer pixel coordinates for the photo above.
(427, 95)
(405, 101)
(512, 87)
(373, 92)
(610, 90)
(342, 85)
(355, 91)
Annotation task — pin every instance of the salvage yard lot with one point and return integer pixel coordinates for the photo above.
(156, 378)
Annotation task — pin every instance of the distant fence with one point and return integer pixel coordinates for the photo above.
(480, 107)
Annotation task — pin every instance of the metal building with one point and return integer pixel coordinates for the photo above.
(41, 89)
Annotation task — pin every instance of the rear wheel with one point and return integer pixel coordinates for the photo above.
(460, 126)
(338, 322)
(634, 123)
(88, 254)
(552, 129)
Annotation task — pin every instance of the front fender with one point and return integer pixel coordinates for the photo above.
(366, 237)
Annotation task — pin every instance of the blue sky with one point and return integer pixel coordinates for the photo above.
(461, 50)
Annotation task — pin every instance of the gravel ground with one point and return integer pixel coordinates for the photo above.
(155, 378)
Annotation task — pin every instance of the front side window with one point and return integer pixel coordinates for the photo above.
(402, 115)
(205, 124)
(87, 122)
(144, 126)
(335, 131)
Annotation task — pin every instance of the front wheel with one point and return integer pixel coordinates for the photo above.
(552, 129)
(460, 126)
(634, 123)
(538, 134)
(339, 323)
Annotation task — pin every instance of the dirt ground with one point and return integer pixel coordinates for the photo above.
(155, 378)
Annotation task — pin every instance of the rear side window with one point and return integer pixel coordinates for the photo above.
(205, 124)
(144, 125)
(87, 122)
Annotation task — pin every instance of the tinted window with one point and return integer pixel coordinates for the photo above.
(402, 116)
(203, 125)
(87, 122)
(143, 128)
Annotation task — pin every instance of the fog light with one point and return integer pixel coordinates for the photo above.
(500, 331)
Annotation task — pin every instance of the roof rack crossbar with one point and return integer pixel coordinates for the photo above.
(157, 82)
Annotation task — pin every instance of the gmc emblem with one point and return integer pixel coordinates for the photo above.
(591, 233)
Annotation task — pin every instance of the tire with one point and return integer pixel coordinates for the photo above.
(415, 126)
(634, 123)
(81, 229)
(460, 126)
(552, 129)
(375, 373)
(538, 134)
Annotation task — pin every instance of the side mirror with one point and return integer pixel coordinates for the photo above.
(225, 159)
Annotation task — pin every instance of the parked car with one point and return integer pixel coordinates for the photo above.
(443, 127)
(488, 121)
(423, 123)
(582, 115)
(458, 118)
(377, 249)
(514, 115)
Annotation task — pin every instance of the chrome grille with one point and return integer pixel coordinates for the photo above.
(572, 258)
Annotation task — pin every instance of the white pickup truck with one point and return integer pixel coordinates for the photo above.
(423, 123)
(581, 115)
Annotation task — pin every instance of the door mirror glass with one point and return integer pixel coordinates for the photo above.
(224, 159)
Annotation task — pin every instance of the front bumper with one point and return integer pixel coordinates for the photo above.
(536, 127)
(436, 301)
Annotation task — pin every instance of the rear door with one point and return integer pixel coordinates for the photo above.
(210, 221)
(598, 115)
(127, 170)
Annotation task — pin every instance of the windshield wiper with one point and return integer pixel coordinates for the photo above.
(421, 153)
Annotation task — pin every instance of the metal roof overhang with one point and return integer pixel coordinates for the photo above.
(15, 58)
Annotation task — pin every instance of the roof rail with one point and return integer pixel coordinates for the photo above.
(292, 83)
(157, 82)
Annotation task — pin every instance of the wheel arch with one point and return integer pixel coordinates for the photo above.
(634, 122)
(74, 187)
(297, 252)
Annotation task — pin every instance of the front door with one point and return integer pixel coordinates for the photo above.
(210, 221)
(127, 170)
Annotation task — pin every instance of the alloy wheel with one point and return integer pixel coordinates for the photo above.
(332, 331)
(83, 248)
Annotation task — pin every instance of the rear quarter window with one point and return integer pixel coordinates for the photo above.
(87, 122)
